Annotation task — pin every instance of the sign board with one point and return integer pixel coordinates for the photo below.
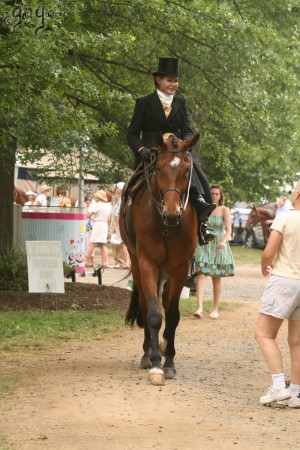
(45, 266)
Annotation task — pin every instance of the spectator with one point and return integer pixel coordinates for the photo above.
(282, 208)
(31, 198)
(281, 301)
(100, 213)
(215, 259)
(115, 238)
(116, 229)
(43, 197)
(88, 226)
(64, 200)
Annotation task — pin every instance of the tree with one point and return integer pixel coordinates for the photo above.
(70, 72)
(240, 78)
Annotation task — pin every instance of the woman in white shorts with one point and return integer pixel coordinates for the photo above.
(100, 213)
(281, 301)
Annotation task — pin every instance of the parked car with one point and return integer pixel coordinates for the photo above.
(254, 238)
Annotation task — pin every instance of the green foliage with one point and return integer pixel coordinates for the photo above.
(13, 270)
(73, 83)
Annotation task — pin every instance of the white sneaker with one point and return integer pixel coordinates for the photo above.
(275, 395)
(293, 402)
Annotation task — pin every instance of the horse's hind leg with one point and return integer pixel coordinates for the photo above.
(145, 361)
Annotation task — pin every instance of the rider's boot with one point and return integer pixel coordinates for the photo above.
(205, 233)
(203, 211)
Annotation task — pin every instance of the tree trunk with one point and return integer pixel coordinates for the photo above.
(7, 170)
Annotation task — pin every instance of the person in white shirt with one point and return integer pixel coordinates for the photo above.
(42, 198)
(31, 198)
(116, 229)
(100, 213)
(281, 301)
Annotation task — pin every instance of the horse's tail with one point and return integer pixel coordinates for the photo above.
(134, 314)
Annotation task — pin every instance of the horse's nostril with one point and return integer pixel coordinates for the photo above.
(171, 220)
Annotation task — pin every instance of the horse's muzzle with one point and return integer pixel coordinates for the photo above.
(171, 220)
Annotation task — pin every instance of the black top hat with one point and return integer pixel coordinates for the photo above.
(168, 66)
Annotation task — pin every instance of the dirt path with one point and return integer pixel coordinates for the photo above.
(92, 395)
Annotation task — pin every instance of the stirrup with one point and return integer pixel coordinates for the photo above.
(205, 234)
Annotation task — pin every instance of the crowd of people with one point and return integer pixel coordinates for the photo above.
(102, 209)
(102, 227)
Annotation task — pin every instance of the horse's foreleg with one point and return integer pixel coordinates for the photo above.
(168, 344)
(145, 361)
(172, 318)
(154, 321)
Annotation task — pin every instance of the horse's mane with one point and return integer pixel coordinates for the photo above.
(267, 210)
(272, 205)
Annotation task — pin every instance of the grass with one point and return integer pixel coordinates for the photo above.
(188, 307)
(3, 442)
(246, 255)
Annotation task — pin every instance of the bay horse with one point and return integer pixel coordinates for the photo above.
(260, 214)
(19, 196)
(164, 225)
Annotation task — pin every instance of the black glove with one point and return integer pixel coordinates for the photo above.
(145, 154)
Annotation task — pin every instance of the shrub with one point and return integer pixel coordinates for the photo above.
(13, 270)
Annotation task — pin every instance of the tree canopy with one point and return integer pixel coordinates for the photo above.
(70, 73)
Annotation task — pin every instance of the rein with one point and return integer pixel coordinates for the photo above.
(184, 196)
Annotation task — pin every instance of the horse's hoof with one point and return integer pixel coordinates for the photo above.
(157, 377)
(170, 373)
(162, 346)
(146, 363)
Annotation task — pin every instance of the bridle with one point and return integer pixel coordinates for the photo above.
(255, 216)
(184, 196)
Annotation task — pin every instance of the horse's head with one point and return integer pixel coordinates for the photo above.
(253, 218)
(172, 177)
(19, 196)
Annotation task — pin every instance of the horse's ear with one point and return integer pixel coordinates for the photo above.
(159, 139)
(192, 141)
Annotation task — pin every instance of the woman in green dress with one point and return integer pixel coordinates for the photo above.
(215, 259)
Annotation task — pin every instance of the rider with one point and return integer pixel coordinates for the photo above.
(164, 111)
